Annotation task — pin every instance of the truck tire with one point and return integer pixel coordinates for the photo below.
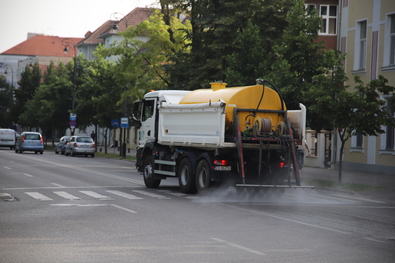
(186, 178)
(148, 175)
(203, 176)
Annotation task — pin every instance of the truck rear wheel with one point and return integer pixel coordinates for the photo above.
(186, 178)
(203, 176)
(149, 180)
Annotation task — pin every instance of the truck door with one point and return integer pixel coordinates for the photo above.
(147, 129)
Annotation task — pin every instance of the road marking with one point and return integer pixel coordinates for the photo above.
(122, 194)
(96, 195)
(39, 196)
(28, 175)
(287, 219)
(66, 195)
(124, 209)
(139, 182)
(58, 185)
(151, 194)
(375, 240)
(79, 205)
(361, 199)
(238, 246)
(6, 167)
(172, 193)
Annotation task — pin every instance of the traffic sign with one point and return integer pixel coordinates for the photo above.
(115, 123)
(72, 123)
(124, 122)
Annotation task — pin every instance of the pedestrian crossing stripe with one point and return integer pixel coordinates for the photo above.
(39, 196)
(66, 195)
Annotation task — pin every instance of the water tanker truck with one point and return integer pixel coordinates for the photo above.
(241, 135)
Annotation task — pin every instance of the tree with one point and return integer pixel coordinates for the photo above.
(215, 39)
(6, 102)
(98, 97)
(28, 84)
(361, 111)
(298, 56)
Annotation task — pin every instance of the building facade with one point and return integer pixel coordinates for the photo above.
(368, 40)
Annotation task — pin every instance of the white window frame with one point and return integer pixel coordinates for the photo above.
(328, 18)
(389, 43)
(360, 54)
(383, 137)
(307, 7)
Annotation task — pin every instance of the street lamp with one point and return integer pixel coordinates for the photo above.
(67, 42)
(6, 66)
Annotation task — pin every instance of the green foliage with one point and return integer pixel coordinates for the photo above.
(28, 84)
(6, 102)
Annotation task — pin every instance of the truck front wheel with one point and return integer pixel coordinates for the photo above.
(149, 180)
(203, 176)
(186, 178)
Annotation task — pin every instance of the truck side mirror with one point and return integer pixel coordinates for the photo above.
(136, 113)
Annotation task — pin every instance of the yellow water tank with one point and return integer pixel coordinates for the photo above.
(247, 97)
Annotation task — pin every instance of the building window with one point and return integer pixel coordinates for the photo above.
(357, 143)
(309, 8)
(361, 45)
(328, 15)
(392, 40)
(388, 138)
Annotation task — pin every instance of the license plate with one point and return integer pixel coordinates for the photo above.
(85, 146)
(222, 168)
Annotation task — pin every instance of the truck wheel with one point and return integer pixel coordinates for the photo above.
(149, 181)
(186, 178)
(203, 176)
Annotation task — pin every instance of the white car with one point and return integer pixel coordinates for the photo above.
(80, 145)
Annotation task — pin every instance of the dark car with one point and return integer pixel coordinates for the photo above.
(30, 141)
(80, 145)
(61, 146)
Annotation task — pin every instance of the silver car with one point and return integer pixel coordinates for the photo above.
(30, 141)
(61, 146)
(80, 145)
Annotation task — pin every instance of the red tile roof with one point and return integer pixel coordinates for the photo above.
(135, 17)
(41, 45)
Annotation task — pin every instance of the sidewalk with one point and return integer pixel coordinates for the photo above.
(372, 179)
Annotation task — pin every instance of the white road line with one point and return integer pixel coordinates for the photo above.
(374, 240)
(66, 195)
(361, 199)
(28, 175)
(172, 193)
(122, 194)
(79, 205)
(96, 195)
(139, 182)
(6, 167)
(58, 185)
(124, 209)
(151, 194)
(39, 196)
(287, 219)
(239, 247)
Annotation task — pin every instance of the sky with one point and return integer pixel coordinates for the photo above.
(70, 18)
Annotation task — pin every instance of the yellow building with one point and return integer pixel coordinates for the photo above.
(367, 37)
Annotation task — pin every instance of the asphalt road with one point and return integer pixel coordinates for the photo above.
(80, 209)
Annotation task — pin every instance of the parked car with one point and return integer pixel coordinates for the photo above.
(80, 145)
(61, 146)
(30, 141)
